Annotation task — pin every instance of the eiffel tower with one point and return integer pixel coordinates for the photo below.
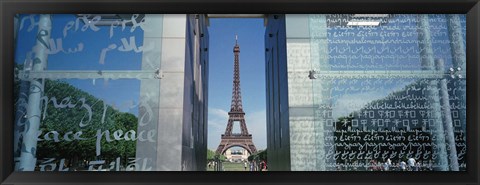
(236, 114)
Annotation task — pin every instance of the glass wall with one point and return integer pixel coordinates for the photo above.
(377, 92)
(102, 93)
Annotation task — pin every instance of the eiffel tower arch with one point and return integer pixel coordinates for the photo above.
(236, 114)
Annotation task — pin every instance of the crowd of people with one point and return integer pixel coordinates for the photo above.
(250, 166)
(261, 166)
(409, 165)
(211, 164)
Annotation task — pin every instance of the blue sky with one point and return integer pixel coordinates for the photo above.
(125, 92)
(114, 92)
(252, 77)
(406, 28)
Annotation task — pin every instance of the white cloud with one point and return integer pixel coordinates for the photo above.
(218, 112)
(217, 122)
(348, 103)
(352, 102)
(257, 126)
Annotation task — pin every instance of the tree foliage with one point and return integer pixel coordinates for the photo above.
(260, 155)
(211, 156)
(65, 119)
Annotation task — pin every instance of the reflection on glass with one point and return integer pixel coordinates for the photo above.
(366, 92)
(388, 93)
(80, 102)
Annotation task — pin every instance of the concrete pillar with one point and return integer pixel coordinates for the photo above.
(448, 123)
(149, 90)
(300, 95)
(323, 122)
(307, 51)
(21, 105)
(456, 41)
(427, 62)
(176, 100)
(29, 146)
(459, 58)
(171, 110)
(162, 99)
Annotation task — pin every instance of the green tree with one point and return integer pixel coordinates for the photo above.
(261, 155)
(211, 156)
(66, 117)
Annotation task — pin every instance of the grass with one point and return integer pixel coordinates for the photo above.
(228, 166)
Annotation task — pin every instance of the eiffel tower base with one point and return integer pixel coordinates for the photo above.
(236, 140)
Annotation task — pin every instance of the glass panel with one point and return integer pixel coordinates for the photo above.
(87, 92)
(74, 43)
(388, 92)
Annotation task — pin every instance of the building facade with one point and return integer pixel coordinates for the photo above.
(183, 92)
(237, 155)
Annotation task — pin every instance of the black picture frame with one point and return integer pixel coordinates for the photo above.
(8, 8)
